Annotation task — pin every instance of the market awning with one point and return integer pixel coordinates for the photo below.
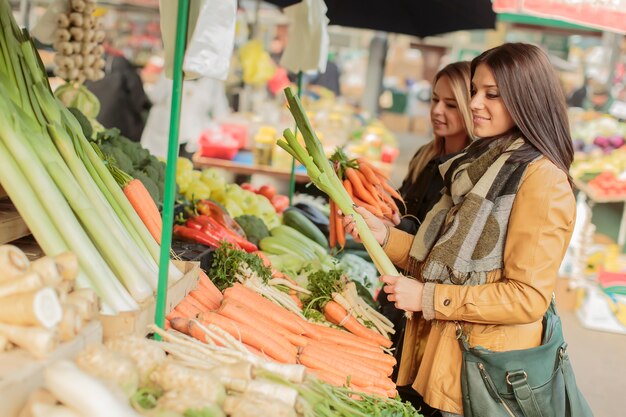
(418, 18)
(602, 15)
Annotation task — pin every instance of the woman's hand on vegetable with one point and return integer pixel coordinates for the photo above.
(405, 293)
(395, 220)
(376, 226)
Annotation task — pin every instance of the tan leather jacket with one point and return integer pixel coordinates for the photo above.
(504, 314)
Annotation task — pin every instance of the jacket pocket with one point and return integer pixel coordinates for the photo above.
(490, 337)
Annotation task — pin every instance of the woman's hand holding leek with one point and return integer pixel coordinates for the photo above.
(378, 228)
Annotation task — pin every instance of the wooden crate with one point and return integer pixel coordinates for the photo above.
(3, 193)
(136, 322)
(21, 374)
(12, 226)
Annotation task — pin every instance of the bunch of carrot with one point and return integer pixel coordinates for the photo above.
(368, 187)
(270, 331)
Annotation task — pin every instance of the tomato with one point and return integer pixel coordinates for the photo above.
(280, 202)
(249, 187)
(268, 191)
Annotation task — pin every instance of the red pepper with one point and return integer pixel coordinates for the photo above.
(211, 209)
(195, 235)
(193, 224)
(213, 226)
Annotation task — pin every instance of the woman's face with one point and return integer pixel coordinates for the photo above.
(491, 116)
(444, 112)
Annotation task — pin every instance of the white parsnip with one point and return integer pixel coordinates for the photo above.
(13, 262)
(34, 308)
(36, 341)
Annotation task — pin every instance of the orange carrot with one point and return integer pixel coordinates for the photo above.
(316, 360)
(274, 312)
(348, 186)
(206, 282)
(332, 227)
(264, 258)
(250, 336)
(145, 207)
(375, 210)
(204, 299)
(180, 324)
(375, 356)
(242, 315)
(174, 314)
(187, 310)
(193, 302)
(387, 198)
(358, 187)
(329, 377)
(377, 171)
(347, 361)
(344, 337)
(372, 364)
(338, 315)
(341, 233)
(391, 190)
(369, 173)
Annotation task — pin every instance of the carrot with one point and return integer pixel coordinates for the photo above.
(332, 227)
(243, 315)
(264, 258)
(265, 308)
(174, 314)
(206, 282)
(375, 210)
(329, 377)
(347, 361)
(340, 233)
(391, 190)
(315, 360)
(180, 324)
(251, 336)
(204, 299)
(338, 315)
(145, 207)
(348, 186)
(345, 338)
(369, 173)
(296, 299)
(187, 310)
(372, 364)
(375, 356)
(194, 303)
(358, 187)
(387, 198)
(377, 171)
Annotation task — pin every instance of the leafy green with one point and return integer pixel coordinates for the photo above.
(227, 262)
(322, 285)
(85, 124)
(254, 227)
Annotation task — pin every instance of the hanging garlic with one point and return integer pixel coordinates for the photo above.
(63, 35)
(78, 5)
(78, 34)
(63, 21)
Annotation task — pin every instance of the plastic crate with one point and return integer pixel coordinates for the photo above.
(220, 146)
(189, 251)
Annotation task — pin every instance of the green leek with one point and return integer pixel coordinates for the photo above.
(322, 174)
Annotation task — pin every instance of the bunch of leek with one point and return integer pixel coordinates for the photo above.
(322, 174)
(59, 184)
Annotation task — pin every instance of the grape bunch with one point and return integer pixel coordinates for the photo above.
(78, 42)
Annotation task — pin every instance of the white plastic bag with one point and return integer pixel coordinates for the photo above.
(210, 37)
(209, 52)
(307, 48)
(46, 26)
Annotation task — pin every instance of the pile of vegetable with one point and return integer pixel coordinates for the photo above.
(78, 42)
(185, 377)
(367, 186)
(210, 184)
(39, 306)
(134, 160)
(65, 192)
(279, 201)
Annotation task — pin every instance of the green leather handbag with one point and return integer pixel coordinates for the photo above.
(536, 382)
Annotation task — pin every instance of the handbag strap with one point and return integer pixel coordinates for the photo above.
(518, 380)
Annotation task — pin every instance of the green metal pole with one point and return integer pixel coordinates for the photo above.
(172, 156)
(292, 178)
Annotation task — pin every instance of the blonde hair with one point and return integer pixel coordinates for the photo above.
(458, 73)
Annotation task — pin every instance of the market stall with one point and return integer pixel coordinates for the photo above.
(285, 330)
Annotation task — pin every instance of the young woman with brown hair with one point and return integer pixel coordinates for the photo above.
(486, 257)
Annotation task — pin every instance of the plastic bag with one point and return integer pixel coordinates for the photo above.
(210, 37)
(46, 26)
(211, 47)
(257, 64)
(307, 48)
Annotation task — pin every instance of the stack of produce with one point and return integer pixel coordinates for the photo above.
(607, 184)
(594, 132)
(211, 227)
(279, 201)
(183, 377)
(39, 306)
(257, 309)
(65, 193)
(78, 43)
(209, 184)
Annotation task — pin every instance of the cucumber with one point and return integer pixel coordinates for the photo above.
(302, 224)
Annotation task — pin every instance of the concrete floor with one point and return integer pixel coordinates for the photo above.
(598, 358)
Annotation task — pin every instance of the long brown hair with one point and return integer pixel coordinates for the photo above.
(459, 75)
(531, 93)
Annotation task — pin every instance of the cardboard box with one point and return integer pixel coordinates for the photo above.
(395, 122)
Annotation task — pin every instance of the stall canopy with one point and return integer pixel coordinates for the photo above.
(412, 17)
(598, 14)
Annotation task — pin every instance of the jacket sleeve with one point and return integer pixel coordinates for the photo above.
(539, 230)
(398, 246)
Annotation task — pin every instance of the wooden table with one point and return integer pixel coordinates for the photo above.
(246, 169)
(595, 198)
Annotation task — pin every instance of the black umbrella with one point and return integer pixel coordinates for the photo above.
(412, 17)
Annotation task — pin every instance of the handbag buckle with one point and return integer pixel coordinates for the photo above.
(522, 374)
(459, 330)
